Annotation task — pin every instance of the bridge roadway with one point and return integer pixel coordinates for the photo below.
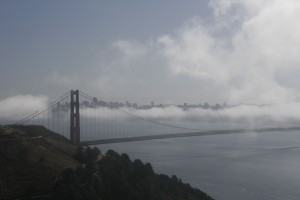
(190, 134)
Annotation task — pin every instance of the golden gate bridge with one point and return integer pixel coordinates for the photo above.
(85, 120)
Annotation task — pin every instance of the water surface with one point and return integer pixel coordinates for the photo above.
(236, 166)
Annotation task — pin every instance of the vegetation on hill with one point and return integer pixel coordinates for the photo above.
(115, 177)
(49, 167)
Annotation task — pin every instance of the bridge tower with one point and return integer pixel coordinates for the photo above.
(74, 117)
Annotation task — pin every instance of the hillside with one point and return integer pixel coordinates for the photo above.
(35, 162)
(31, 160)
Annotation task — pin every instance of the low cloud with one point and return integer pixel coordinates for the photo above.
(275, 113)
(284, 114)
(279, 115)
(17, 107)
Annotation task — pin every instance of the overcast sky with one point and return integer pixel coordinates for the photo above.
(168, 51)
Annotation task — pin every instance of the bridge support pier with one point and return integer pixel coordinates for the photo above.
(74, 117)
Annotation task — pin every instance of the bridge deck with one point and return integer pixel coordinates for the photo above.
(178, 135)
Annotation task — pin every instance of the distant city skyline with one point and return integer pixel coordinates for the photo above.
(119, 104)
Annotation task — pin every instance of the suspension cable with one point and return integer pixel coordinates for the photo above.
(135, 116)
(61, 98)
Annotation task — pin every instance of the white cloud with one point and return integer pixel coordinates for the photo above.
(248, 60)
(195, 52)
(20, 106)
(276, 113)
(240, 116)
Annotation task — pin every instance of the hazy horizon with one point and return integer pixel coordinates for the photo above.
(171, 52)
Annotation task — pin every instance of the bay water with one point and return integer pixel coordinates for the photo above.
(248, 166)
